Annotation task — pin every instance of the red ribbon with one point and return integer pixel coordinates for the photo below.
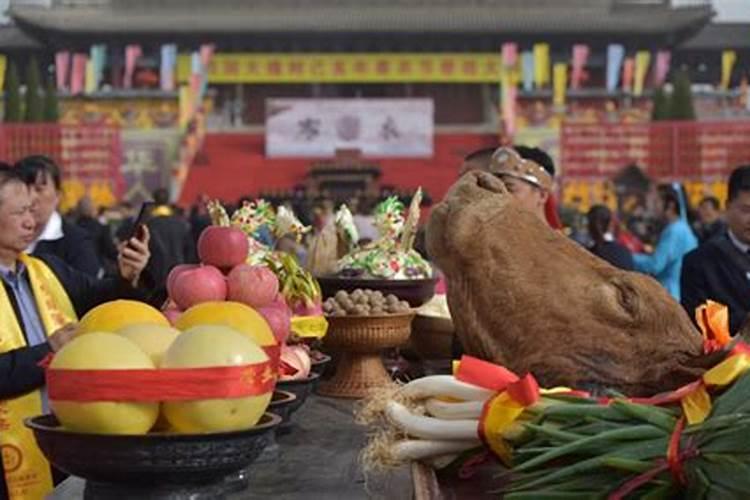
(674, 463)
(524, 391)
(172, 384)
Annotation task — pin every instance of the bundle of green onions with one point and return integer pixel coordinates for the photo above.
(580, 448)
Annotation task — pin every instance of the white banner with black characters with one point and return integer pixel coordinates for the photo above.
(380, 128)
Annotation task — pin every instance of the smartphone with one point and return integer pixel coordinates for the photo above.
(140, 221)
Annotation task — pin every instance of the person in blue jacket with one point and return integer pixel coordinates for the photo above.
(677, 239)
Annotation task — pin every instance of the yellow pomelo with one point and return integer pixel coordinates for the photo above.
(111, 316)
(235, 315)
(212, 346)
(104, 351)
(154, 340)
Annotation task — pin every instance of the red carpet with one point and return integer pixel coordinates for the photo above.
(230, 166)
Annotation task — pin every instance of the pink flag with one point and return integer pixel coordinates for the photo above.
(580, 56)
(207, 52)
(78, 77)
(132, 53)
(510, 95)
(661, 70)
(62, 62)
(510, 54)
(628, 71)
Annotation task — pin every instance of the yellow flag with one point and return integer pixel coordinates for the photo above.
(90, 77)
(642, 61)
(3, 65)
(560, 82)
(541, 64)
(728, 58)
(186, 104)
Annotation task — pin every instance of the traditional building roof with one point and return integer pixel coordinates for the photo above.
(721, 36)
(12, 38)
(512, 17)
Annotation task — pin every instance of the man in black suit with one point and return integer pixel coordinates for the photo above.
(54, 235)
(40, 299)
(719, 269)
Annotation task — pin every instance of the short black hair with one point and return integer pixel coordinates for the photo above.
(161, 196)
(537, 156)
(670, 196)
(9, 173)
(599, 218)
(32, 166)
(711, 200)
(739, 180)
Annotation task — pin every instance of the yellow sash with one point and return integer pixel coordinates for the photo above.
(27, 472)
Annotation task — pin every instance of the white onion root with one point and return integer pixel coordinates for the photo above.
(470, 410)
(416, 449)
(444, 385)
(429, 427)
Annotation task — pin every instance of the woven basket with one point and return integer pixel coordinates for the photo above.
(359, 340)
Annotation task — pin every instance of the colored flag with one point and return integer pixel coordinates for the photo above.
(510, 55)
(628, 69)
(62, 64)
(661, 69)
(98, 55)
(78, 75)
(615, 56)
(527, 70)
(207, 52)
(167, 68)
(132, 53)
(642, 61)
(728, 58)
(541, 64)
(560, 81)
(3, 67)
(90, 86)
(185, 105)
(580, 56)
(508, 104)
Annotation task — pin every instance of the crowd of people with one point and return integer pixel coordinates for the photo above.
(54, 267)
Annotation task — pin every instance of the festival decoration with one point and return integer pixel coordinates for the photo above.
(642, 61)
(580, 56)
(728, 58)
(615, 57)
(560, 81)
(541, 65)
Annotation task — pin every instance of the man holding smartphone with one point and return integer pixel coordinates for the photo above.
(40, 301)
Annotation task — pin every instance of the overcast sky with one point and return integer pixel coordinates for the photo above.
(728, 10)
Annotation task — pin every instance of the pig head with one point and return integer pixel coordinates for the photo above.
(525, 296)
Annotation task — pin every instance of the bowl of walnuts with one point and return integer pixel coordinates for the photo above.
(361, 324)
(364, 303)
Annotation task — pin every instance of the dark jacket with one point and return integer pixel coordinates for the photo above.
(614, 253)
(175, 236)
(101, 236)
(717, 270)
(707, 232)
(19, 372)
(76, 248)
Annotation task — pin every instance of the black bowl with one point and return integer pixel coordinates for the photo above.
(151, 459)
(301, 388)
(281, 405)
(415, 292)
(321, 364)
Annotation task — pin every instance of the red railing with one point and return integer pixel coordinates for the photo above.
(87, 153)
(666, 150)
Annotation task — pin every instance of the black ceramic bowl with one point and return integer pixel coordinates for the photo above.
(157, 458)
(319, 366)
(415, 292)
(281, 404)
(301, 388)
